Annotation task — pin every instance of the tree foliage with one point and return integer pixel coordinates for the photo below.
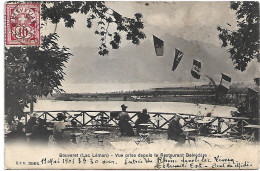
(33, 71)
(38, 70)
(243, 43)
(105, 17)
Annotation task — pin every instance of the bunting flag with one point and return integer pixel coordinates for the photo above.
(177, 59)
(224, 83)
(196, 68)
(158, 45)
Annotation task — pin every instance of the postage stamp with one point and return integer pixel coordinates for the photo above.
(23, 24)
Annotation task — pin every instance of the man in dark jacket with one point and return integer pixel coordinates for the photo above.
(124, 125)
(30, 124)
(142, 118)
(175, 132)
(40, 133)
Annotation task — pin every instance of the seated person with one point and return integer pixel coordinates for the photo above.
(114, 115)
(142, 118)
(206, 128)
(30, 124)
(73, 123)
(73, 130)
(17, 134)
(59, 134)
(124, 125)
(40, 133)
(175, 132)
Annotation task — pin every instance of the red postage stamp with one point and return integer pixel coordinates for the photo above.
(23, 24)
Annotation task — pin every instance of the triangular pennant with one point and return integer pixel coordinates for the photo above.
(177, 59)
(196, 68)
(158, 45)
(224, 83)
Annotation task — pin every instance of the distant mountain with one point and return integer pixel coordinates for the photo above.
(139, 64)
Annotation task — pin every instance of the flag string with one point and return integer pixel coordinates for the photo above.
(159, 52)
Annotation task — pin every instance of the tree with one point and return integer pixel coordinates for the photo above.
(243, 43)
(38, 71)
(32, 71)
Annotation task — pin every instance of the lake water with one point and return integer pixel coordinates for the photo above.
(171, 107)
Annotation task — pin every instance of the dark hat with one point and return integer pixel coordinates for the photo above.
(144, 110)
(41, 121)
(123, 106)
(34, 115)
(60, 116)
(20, 125)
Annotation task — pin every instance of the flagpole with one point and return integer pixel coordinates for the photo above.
(221, 79)
(217, 93)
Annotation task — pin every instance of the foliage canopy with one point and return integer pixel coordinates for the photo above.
(38, 70)
(243, 43)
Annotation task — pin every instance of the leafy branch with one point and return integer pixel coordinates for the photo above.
(243, 43)
(100, 13)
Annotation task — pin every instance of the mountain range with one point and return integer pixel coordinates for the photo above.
(139, 64)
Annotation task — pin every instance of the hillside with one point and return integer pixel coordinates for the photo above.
(140, 64)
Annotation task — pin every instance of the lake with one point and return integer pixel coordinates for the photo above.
(171, 107)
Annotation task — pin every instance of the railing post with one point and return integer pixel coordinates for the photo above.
(102, 119)
(242, 131)
(219, 125)
(83, 117)
(31, 105)
(158, 121)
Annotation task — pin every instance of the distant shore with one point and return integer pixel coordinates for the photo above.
(186, 99)
(201, 94)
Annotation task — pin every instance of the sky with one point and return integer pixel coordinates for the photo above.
(191, 21)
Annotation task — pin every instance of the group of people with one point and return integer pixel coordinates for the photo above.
(36, 128)
(17, 132)
(36, 131)
(39, 133)
(124, 125)
(174, 131)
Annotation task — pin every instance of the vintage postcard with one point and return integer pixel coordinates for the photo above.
(131, 85)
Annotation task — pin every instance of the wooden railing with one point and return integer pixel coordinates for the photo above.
(158, 120)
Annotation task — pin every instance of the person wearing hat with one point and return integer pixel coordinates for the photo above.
(40, 133)
(60, 136)
(123, 106)
(124, 126)
(175, 132)
(142, 118)
(31, 123)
